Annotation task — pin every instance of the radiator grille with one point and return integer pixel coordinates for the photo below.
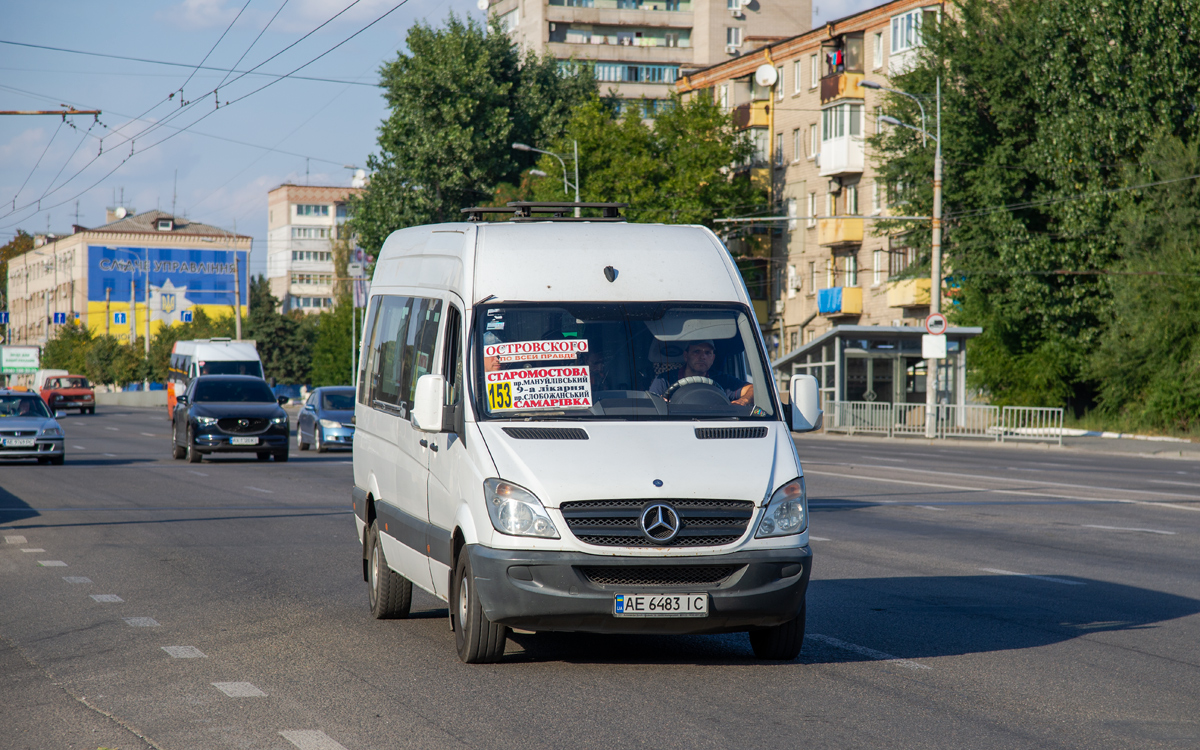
(690, 575)
(545, 433)
(614, 523)
(253, 424)
(730, 433)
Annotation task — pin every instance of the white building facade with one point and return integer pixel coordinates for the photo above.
(303, 224)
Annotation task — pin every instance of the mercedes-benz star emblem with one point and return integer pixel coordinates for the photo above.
(659, 522)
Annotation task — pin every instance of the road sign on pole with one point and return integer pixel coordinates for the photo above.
(935, 323)
(3, 318)
(60, 318)
(185, 316)
(119, 319)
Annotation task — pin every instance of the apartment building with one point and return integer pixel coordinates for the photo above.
(127, 278)
(638, 47)
(303, 223)
(832, 296)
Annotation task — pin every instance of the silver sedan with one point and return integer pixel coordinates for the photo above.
(28, 429)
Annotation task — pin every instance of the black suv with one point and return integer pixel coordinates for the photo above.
(229, 414)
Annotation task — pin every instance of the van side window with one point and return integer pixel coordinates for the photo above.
(452, 358)
(420, 345)
(365, 360)
(387, 350)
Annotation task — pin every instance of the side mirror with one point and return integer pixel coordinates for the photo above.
(59, 414)
(427, 405)
(806, 404)
(181, 399)
(282, 400)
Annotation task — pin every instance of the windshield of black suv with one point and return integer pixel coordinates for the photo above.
(23, 406)
(233, 391)
(249, 367)
(641, 361)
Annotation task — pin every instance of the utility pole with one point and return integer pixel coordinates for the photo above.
(237, 298)
(935, 276)
(107, 309)
(146, 297)
(132, 310)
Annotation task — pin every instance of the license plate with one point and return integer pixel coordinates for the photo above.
(18, 442)
(660, 605)
(243, 441)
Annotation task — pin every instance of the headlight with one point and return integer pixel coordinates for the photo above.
(331, 424)
(516, 511)
(787, 513)
(206, 421)
(279, 420)
(55, 431)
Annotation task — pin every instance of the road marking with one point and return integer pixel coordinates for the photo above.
(197, 473)
(15, 540)
(869, 652)
(110, 598)
(149, 434)
(1125, 528)
(819, 539)
(33, 549)
(928, 507)
(77, 579)
(114, 429)
(79, 447)
(183, 652)
(239, 690)
(1178, 484)
(52, 563)
(311, 739)
(260, 489)
(1040, 578)
(111, 455)
(141, 622)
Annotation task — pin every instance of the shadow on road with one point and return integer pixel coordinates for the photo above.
(911, 618)
(13, 508)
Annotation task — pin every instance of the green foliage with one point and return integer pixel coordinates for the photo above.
(674, 172)
(20, 244)
(201, 327)
(68, 349)
(284, 342)
(458, 100)
(113, 363)
(331, 350)
(1149, 358)
(1044, 104)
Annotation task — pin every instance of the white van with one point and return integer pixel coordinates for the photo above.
(215, 356)
(571, 425)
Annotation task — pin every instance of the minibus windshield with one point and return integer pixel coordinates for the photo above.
(628, 361)
(229, 367)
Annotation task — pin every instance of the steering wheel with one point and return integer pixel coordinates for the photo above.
(693, 380)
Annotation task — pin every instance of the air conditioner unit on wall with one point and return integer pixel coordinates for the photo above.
(737, 13)
(731, 49)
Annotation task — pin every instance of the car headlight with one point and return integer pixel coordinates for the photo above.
(54, 431)
(331, 424)
(206, 421)
(279, 420)
(516, 511)
(787, 513)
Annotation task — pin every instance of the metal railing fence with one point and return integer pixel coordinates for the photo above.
(1001, 424)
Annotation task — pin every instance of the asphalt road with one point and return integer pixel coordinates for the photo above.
(962, 597)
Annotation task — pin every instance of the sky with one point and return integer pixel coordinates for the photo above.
(161, 141)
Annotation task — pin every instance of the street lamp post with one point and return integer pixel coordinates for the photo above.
(566, 184)
(935, 274)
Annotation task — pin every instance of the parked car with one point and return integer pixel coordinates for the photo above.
(229, 414)
(28, 429)
(327, 419)
(69, 392)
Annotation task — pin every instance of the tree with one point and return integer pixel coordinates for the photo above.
(284, 341)
(20, 244)
(163, 342)
(676, 171)
(458, 100)
(68, 349)
(331, 349)
(1045, 104)
(113, 363)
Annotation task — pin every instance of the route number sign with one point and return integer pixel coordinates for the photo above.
(936, 324)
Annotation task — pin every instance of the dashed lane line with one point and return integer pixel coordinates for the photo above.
(868, 652)
(260, 489)
(184, 652)
(239, 690)
(819, 539)
(149, 434)
(108, 598)
(79, 447)
(1051, 579)
(77, 579)
(15, 540)
(52, 563)
(33, 549)
(311, 739)
(1177, 484)
(114, 429)
(1126, 528)
(197, 473)
(928, 507)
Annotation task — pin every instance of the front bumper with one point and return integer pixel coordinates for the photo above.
(340, 436)
(217, 443)
(44, 448)
(548, 591)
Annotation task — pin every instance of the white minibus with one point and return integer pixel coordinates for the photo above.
(571, 425)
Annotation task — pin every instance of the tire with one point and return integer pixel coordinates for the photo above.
(177, 451)
(91, 410)
(318, 443)
(282, 456)
(57, 460)
(43, 461)
(262, 455)
(781, 642)
(477, 639)
(389, 593)
(300, 439)
(193, 455)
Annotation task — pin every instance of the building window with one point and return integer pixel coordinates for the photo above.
(791, 212)
(814, 140)
(310, 233)
(877, 58)
(509, 21)
(852, 200)
(841, 120)
(779, 149)
(906, 31)
(312, 279)
(733, 36)
(850, 266)
(814, 72)
(830, 205)
(793, 284)
(797, 151)
(308, 209)
(622, 73)
(796, 76)
(899, 259)
(312, 255)
(877, 268)
(779, 84)
(725, 97)
(878, 122)
(812, 210)
(830, 273)
(812, 277)
(875, 207)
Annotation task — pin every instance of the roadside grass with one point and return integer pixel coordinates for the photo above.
(1103, 423)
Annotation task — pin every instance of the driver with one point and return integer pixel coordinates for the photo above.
(698, 359)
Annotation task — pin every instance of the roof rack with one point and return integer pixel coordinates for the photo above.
(526, 210)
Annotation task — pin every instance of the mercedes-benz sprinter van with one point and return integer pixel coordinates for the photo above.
(571, 425)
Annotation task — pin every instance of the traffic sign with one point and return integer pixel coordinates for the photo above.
(3, 318)
(119, 319)
(935, 323)
(60, 318)
(185, 316)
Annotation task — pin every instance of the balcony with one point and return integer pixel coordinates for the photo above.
(841, 86)
(909, 293)
(835, 232)
(752, 115)
(841, 156)
(840, 300)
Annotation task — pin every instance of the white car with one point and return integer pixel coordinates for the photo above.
(572, 425)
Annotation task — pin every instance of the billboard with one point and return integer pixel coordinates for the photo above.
(179, 282)
(19, 359)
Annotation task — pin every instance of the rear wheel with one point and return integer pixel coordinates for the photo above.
(282, 456)
(193, 455)
(57, 460)
(262, 455)
(781, 642)
(477, 639)
(390, 593)
(300, 439)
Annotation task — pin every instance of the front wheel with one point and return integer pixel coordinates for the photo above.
(318, 443)
(477, 639)
(177, 451)
(57, 460)
(282, 456)
(390, 593)
(780, 642)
